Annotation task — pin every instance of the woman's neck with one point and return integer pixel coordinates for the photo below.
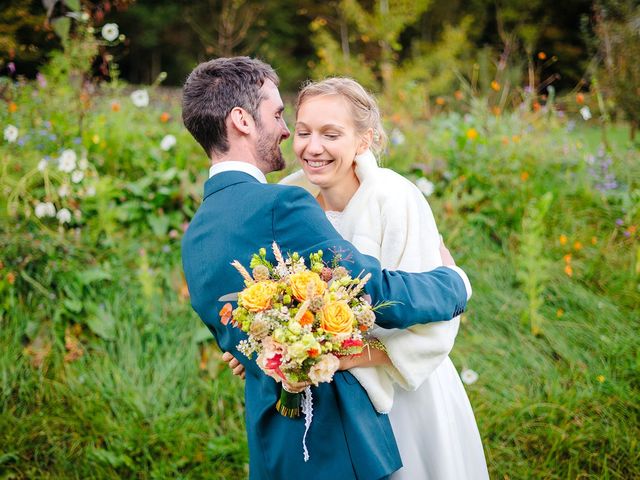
(337, 197)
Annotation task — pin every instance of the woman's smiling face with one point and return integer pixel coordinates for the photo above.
(325, 140)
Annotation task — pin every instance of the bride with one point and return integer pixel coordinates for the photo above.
(384, 215)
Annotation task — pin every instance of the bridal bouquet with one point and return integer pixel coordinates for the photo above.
(299, 320)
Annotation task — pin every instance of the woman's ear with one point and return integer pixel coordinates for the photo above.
(241, 120)
(365, 142)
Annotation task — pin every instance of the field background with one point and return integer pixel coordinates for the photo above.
(106, 372)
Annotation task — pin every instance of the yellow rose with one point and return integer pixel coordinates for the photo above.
(302, 282)
(257, 297)
(337, 317)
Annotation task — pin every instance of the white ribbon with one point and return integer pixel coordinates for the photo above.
(307, 409)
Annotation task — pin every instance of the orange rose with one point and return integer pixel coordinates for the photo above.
(337, 317)
(303, 282)
(257, 297)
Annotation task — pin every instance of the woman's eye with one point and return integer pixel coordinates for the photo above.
(331, 136)
(302, 134)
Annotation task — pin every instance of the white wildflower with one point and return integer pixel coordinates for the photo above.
(42, 165)
(425, 186)
(64, 190)
(110, 32)
(67, 161)
(91, 191)
(585, 112)
(77, 176)
(63, 216)
(83, 164)
(167, 142)
(469, 376)
(10, 133)
(140, 98)
(46, 209)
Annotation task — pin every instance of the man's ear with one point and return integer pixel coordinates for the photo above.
(365, 142)
(241, 120)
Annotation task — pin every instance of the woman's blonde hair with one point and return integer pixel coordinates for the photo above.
(366, 114)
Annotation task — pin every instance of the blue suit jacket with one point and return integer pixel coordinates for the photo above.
(348, 439)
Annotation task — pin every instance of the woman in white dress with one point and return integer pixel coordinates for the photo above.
(385, 215)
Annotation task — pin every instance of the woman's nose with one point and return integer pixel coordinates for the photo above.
(315, 145)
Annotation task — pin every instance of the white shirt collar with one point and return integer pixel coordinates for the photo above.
(236, 166)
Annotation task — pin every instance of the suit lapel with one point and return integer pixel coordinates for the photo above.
(223, 180)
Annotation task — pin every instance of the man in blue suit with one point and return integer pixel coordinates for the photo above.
(233, 108)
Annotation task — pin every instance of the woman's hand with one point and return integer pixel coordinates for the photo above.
(370, 357)
(236, 367)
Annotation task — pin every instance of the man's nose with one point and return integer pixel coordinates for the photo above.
(286, 133)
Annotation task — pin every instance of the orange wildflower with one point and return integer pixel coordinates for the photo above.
(594, 240)
(536, 106)
(563, 239)
(12, 107)
(505, 140)
(225, 313)
(568, 270)
(496, 111)
(440, 101)
(577, 245)
(472, 134)
(567, 258)
(580, 98)
(164, 117)
(542, 56)
(559, 313)
(11, 278)
(524, 176)
(632, 229)
(307, 318)
(458, 94)
(115, 107)
(495, 85)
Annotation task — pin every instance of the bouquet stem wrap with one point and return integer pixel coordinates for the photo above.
(289, 404)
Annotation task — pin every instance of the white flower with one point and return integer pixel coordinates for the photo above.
(77, 176)
(83, 164)
(42, 165)
(67, 161)
(46, 209)
(323, 370)
(63, 216)
(10, 133)
(585, 112)
(167, 142)
(140, 98)
(425, 186)
(64, 190)
(110, 32)
(397, 137)
(91, 191)
(469, 376)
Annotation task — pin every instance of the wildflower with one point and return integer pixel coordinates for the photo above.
(469, 376)
(167, 142)
(397, 137)
(11, 278)
(632, 229)
(563, 239)
(83, 164)
(567, 258)
(536, 106)
(440, 101)
(46, 209)
(505, 140)
(64, 191)
(515, 138)
(472, 134)
(594, 240)
(67, 161)
(568, 270)
(10, 133)
(140, 98)
(559, 313)
(164, 117)
(91, 191)
(495, 85)
(42, 80)
(577, 245)
(425, 186)
(110, 32)
(600, 378)
(42, 165)
(95, 138)
(115, 106)
(542, 56)
(619, 222)
(77, 176)
(63, 216)
(458, 94)
(524, 176)
(579, 98)
(496, 111)
(586, 113)
(12, 107)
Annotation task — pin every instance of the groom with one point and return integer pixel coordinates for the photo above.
(232, 107)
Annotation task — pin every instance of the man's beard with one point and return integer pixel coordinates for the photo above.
(268, 152)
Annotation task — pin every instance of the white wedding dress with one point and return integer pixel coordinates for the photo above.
(430, 413)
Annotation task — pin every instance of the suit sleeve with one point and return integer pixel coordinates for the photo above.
(300, 225)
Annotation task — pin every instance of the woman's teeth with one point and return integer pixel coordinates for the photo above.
(318, 163)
